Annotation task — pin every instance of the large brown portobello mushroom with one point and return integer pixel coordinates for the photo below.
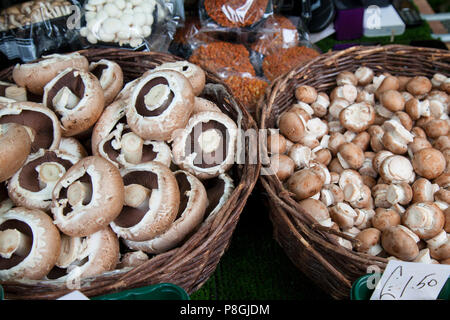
(152, 200)
(77, 98)
(110, 75)
(29, 244)
(15, 146)
(35, 75)
(32, 186)
(87, 197)
(88, 256)
(218, 190)
(207, 146)
(41, 122)
(161, 103)
(190, 214)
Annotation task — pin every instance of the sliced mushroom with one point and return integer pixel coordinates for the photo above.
(110, 75)
(15, 142)
(207, 146)
(29, 244)
(35, 75)
(87, 197)
(32, 186)
(77, 98)
(151, 203)
(42, 124)
(161, 103)
(190, 214)
(192, 72)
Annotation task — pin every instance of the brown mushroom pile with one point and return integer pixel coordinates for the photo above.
(371, 159)
(98, 175)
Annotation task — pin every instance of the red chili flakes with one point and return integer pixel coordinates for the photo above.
(284, 60)
(278, 32)
(247, 90)
(223, 57)
(235, 13)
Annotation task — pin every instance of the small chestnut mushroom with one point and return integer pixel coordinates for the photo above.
(440, 246)
(396, 169)
(346, 77)
(423, 190)
(387, 83)
(402, 82)
(132, 259)
(276, 143)
(151, 202)
(344, 215)
(357, 117)
(419, 85)
(301, 155)
(429, 163)
(282, 166)
(29, 244)
(161, 103)
(88, 256)
(364, 75)
(331, 194)
(110, 75)
(358, 196)
(15, 142)
(190, 214)
(35, 75)
(41, 123)
(350, 156)
(292, 125)
(437, 80)
(317, 210)
(364, 218)
(445, 86)
(346, 91)
(32, 186)
(304, 183)
(436, 128)
(425, 219)
(396, 138)
(207, 146)
(370, 239)
(87, 197)
(385, 218)
(364, 96)
(320, 106)
(392, 100)
(418, 144)
(306, 94)
(192, 72)
(416, 109)
(379, 193)
(401, 193)
(336, 106)
(77, 97)
(442, 143)
(400, 242)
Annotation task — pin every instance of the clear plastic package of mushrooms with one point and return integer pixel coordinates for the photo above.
(133, 24)
(103, 173)
(371, 160)
(33, 28)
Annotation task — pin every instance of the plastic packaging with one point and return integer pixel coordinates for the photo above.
(134, 24)
(33, 28)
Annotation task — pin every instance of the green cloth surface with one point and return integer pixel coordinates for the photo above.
(255, 267)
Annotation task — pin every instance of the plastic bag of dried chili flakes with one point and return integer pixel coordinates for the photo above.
(231, 62)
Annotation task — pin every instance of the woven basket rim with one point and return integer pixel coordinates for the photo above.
(214, 234)
(285, 212)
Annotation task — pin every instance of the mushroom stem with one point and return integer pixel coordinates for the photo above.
(12, 241)
(132, 146)
(49, 172)
(79, 192)
(70, 249)
(16, 93)
(136, 195)
(209, 140)
(156, 96)
(65, 99)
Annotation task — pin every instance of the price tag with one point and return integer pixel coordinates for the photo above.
(411, 281)
(74, 295)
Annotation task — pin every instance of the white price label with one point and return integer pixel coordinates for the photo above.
(411, 281)
(74, 295)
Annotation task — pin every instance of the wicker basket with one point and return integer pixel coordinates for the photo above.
(190, 265)
(308, 245)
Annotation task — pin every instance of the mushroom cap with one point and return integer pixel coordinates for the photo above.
(282, 165)
(429, 163)
(292, 126)
(304, 184)
(425, 219)
(306, 94)
(423, 191)
(316, 209)
(436, 128)
(163, 203)
(276, 143)
(368, 238)
(219, 190)
(104, 205)
(396, 169)
(202, 104)
(88, 109)
(192, 72)
(393, 100)
(419, 85)
(191, 212)
(35, 75)
(440, 246)
(388, 83)
(399, 241)
(364, 75)
(27, 189)
(385, 218)
(72, 146)
(344, 215)
(167, 116)
(350, 156)
(43, 122)
(110, 75)
(46, 243)
(207, 146)
(357, 117)
(15, 145)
